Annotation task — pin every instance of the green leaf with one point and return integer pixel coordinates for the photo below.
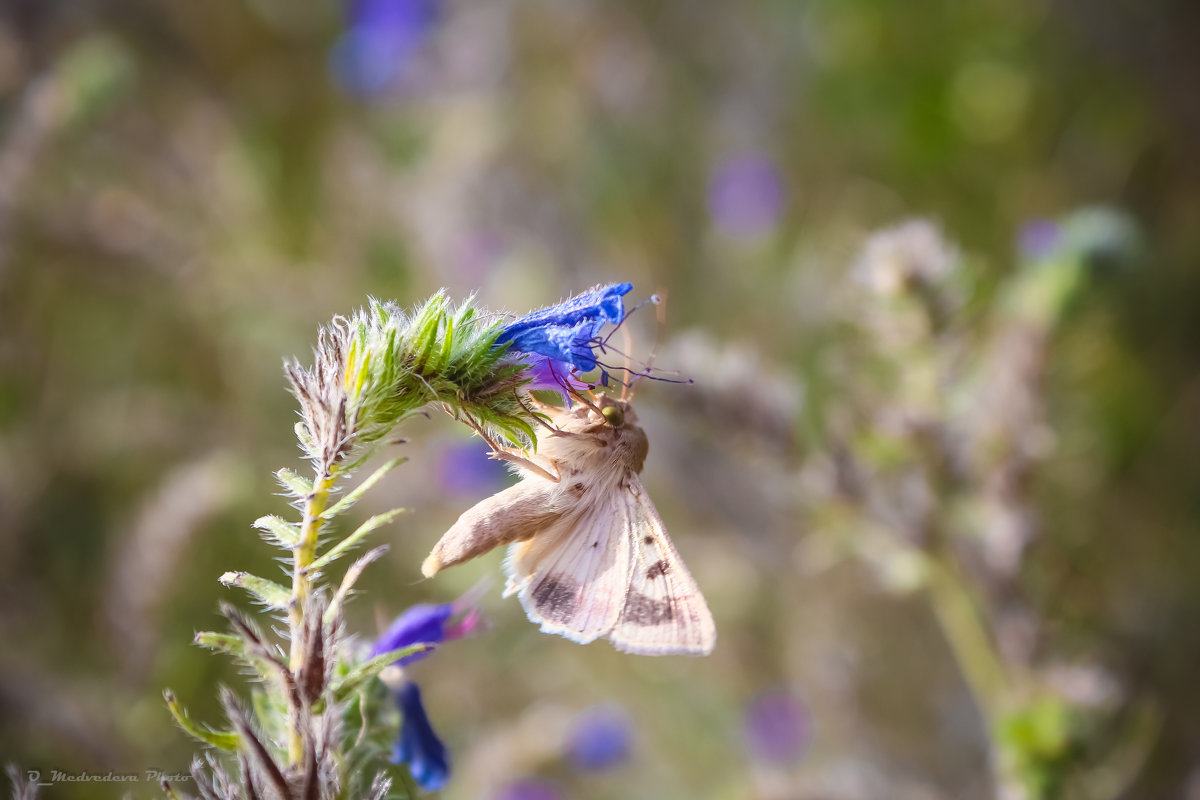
(300, 487)
(348, 684)
(342, 547)
(349, 579)
(269, 592)
(226, 740)
(228, 643)
(284, 533)
(353, 496)
(234, 646)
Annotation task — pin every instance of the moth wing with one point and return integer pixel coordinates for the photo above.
(664, 611)
(512, 515)
(572, 578)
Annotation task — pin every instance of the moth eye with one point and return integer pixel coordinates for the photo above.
(614, 415)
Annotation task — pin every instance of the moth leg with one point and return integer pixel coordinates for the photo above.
(502, 453)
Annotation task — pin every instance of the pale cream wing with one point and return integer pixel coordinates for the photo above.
(664, 612)
(515, 514)
(572, 578)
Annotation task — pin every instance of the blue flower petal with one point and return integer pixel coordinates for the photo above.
(421, 623)
(419, 746)
(567, 332)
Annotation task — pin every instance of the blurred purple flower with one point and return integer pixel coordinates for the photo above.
(419, 746)
(776, 726)
(380, 41)
(568, 332)
(429, 624)
(528, 789)
(601, 739)
(745, 196)
(464, 468)
(1038, 239)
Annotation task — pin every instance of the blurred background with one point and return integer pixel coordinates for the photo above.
(939, 483)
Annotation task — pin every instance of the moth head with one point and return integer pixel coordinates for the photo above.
(616, 413)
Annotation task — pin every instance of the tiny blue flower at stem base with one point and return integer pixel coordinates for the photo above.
(568, 331)
(428, 624)
(419, 746)
(422, 623)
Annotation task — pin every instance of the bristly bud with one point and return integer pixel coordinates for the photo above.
(314, 672)
(381, 365)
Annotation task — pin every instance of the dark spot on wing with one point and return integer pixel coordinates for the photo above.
(595, 544)
(657, 568)
(648, 540)
(577, 489)
(555, 598)
(645, 611)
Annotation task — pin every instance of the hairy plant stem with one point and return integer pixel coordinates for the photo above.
(303, 555)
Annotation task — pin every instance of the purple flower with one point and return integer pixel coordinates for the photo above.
(381, 40)
(776, 727)
(1038, 238)
(556, 376)
(464, 468)
(528, 789)
(745, 196)
(601, 738)
(568, 332)
(419, 746)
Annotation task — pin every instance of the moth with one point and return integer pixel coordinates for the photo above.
(588, 554)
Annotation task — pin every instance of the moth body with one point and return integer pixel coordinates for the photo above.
(588, 553)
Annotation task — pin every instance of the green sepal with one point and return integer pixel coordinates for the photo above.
(282, 532)
(352, 680)
(225, 740)
(268, 592)
(341, 548)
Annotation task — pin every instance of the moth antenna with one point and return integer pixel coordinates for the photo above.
(587, 401)
(628, 339)
(659, 299)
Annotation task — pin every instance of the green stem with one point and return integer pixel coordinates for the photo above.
(967, 633)
(302, 557)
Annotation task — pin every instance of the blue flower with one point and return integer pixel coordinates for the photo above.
(428, 624)
(601, 739)
(776, 726)
(422, 623)
(419, 746)
(568, 332)
(381, 41)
